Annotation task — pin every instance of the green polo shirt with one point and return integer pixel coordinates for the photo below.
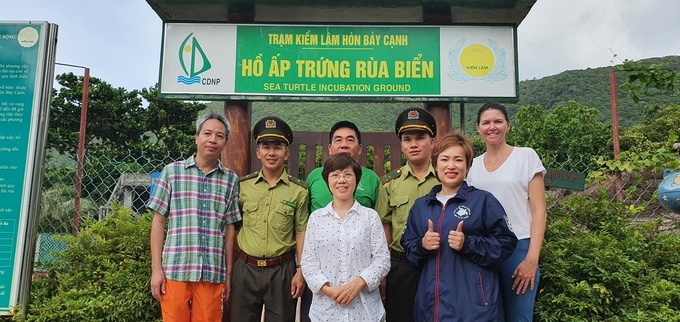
(399, 191)
(366, 194)
(271, 214)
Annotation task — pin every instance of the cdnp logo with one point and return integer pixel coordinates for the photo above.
(194, 62)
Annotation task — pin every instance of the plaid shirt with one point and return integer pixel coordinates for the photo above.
(198, 208)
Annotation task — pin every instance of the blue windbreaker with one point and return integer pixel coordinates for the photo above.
(458, 285)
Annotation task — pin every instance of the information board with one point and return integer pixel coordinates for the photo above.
(442, 63)
(22, 68)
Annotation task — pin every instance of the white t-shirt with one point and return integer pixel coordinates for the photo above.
(510, 185)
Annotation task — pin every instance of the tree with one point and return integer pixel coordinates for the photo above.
(644, 80)
(117, 122)
(170, 125)
(114, 116)
(660, 129)
(568, 134)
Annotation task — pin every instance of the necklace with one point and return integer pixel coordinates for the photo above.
(500, 157)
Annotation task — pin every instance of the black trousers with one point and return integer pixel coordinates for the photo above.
(305, 304)
(400, 291)
(254, 286)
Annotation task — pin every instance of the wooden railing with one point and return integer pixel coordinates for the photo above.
(308, 141)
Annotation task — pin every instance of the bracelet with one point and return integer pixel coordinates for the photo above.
(297, 266)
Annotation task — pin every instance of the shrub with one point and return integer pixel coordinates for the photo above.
(103, 275)
(597, 267)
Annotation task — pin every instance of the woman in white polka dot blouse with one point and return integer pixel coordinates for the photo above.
(345, 254)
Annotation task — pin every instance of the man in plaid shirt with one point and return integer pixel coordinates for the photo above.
(198, 200)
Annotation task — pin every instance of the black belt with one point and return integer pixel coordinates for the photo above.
(266, 262)
(398, 255)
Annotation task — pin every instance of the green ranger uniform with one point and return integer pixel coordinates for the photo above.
(271, 215)
(399, 191)
(366, 194)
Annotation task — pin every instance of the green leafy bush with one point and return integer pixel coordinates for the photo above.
(102, 276)
(597, 267)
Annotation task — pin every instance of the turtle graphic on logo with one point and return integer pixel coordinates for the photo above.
(462, 212)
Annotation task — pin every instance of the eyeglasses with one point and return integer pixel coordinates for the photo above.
(338, 175)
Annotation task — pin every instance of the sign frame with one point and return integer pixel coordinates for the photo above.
(27, 56)
(203, 34)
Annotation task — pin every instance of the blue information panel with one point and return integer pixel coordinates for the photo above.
(21, 65)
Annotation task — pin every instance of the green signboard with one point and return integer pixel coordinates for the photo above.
(564, 179)
(22, 68)
(449, 63)
(295, 60)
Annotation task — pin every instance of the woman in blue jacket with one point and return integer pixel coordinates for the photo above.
(457, 235)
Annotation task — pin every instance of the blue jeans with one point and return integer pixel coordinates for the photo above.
(516, 308)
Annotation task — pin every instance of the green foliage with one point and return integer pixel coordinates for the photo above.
(478, 145)
(660, 129)
(596, 267)
(57, 206)
(565, 132)
(169, 125)
(118, 122)
(648, 80)
(102, 276)
(633, 162)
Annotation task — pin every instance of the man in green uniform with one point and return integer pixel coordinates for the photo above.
(416, 128)
(275, 210)
(344, 137)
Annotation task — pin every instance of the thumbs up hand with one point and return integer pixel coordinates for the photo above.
(431, 239)
(456, 237)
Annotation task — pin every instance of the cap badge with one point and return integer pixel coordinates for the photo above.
(270, 124)
(413, 115)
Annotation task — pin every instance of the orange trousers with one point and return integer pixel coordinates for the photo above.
(192, 301)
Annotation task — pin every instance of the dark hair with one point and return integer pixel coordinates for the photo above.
(341, 161)
(455, 138)
(343, 124)
(492, 106)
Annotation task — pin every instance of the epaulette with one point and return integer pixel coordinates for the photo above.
(391, 176)
(297, 181)
(250, 176)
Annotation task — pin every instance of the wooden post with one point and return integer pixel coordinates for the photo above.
(442, 113)
(236, 154)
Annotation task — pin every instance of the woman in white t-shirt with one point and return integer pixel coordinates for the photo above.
(515, 177)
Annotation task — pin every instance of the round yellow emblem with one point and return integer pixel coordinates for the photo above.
(477, 60)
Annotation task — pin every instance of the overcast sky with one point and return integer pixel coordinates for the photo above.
(120, 40)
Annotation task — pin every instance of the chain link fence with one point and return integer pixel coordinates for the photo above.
(635, 190)
(127, 181)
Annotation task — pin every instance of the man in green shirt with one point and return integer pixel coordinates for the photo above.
(344, 137)
(275, 210)
(416, 128)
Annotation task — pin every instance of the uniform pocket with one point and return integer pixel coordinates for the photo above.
(399, 204)
(249, 214)
(283, 217)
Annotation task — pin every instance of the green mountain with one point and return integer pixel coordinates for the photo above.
(587, 87)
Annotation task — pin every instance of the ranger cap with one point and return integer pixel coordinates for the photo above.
(415, 119)
(272, 129)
